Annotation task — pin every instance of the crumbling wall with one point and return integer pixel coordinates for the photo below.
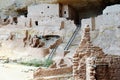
(105, 30)
(52, 72)
(85, 50)
(111, 64)
(18, 47)
(61, 69)
(106, 68)
(91, 63)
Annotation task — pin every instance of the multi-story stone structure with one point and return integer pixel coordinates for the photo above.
(47, 13)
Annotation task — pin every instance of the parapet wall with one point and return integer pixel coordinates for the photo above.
(52, 72)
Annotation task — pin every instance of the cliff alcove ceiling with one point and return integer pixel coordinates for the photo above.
(85, 8)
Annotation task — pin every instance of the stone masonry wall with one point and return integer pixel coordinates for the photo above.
(85, 50)
(91, 63)
(43, 10)
(104, 68)
(112, 71)
(51, 72)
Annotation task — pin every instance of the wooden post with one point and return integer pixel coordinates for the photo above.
(30, 24)
(93, 23)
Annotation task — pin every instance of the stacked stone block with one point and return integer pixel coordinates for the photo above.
(41, 73)
(90, 68)
(90, 62)
(110, 65)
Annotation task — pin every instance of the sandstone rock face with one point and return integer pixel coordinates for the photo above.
(12, 5)
(106, 33)
(112, 9)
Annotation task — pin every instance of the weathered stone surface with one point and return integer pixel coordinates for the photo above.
(106, 30)
(90, 62)
(52, 72)
(57, 43)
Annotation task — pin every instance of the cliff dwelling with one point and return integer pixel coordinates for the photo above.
(59, 39)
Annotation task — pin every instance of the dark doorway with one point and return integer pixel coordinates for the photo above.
(25, 14)
(15, 20)
(36, 23)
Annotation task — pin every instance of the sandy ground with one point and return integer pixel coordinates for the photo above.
(16, 72)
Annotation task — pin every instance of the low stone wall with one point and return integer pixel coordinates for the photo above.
(103, 68)
(112, 71)
(52, 72)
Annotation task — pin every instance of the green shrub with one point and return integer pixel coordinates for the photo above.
(47, 62)
(37, 63)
